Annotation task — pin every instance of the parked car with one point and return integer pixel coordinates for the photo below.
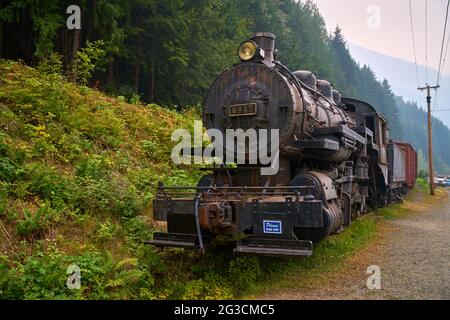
(447, 181)
(441, 181)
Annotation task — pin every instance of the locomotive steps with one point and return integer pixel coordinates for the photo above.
(408, 244)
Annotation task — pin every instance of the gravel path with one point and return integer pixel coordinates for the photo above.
(413, 254)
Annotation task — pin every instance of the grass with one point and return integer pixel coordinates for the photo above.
(330, 255)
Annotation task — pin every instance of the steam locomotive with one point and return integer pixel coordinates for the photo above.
(334, 154)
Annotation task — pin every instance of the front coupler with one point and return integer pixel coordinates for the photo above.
(264, 218)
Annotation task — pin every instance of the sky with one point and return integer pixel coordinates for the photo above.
(384, 26)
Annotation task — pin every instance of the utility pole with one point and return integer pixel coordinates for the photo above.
(430, 136)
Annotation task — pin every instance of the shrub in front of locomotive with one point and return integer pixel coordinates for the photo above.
(280, 213)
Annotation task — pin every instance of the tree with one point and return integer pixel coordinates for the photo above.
(170, 51)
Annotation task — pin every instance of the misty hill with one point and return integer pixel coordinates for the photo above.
(401, 75)
(414, 124)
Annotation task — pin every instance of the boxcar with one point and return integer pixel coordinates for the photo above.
(410, 163)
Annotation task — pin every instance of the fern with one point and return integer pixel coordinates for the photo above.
(126, 278)
(126, 263)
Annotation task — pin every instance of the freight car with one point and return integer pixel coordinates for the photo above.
(335, 159)
(404, 168)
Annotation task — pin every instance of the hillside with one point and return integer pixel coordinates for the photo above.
(402, 77)
(417, 135)
(78, 170)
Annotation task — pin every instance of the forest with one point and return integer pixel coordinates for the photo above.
(168, 52)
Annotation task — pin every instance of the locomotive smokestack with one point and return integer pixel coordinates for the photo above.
(266, 41)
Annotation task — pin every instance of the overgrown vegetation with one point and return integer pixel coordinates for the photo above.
(77, 175)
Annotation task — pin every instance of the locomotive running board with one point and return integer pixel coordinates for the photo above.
(275, 247)
(179, 240)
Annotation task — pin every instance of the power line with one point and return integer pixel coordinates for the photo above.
(441, 110)
(414, 42)
(414, 50)
(428, 88)
(443, 43)
(441, 57)
(446, 52)
(443, 64)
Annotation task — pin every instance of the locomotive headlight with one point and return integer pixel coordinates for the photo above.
(247, 50)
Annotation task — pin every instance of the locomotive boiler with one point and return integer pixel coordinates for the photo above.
(332, 156)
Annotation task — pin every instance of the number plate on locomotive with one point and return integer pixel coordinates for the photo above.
(239, 110)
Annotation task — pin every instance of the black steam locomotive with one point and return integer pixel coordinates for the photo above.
(335, 159)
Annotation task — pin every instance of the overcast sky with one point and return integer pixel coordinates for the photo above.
(391, 33)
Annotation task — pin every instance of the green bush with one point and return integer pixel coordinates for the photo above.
(151, 260)
(46, 181)
(183, 178)
(4, 188)
(113, 195)
(71, 146)
(137, 231)
(135, 99)
(10, 162)
(90, 195)
(423, 183)
(96, 268)
(131, 281)
(42, 148)
(127, 202)
(89, 59)
(207, 290)
(40, 276)
(69, 154)
(152, 149)
(7, 169)
(43, 275)
(106, 231)
(95, 167)
(38, 222)
(53, 64)
(244, 271)
(5, 291)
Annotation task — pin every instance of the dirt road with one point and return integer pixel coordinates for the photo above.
(413, 254)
